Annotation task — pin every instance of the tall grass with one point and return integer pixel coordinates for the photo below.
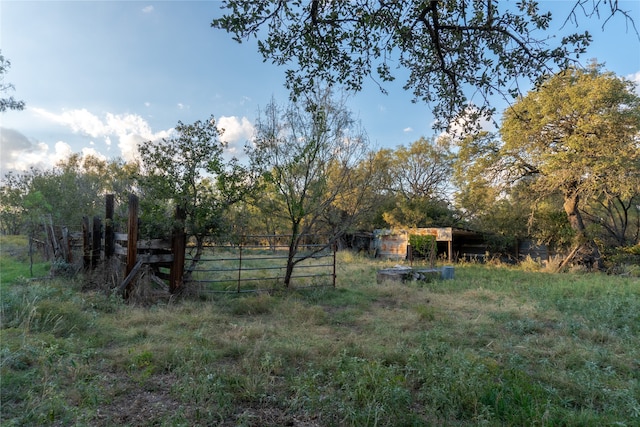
(15, 260)
(494, 346)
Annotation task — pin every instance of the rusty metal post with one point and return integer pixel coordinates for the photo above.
(240, 267)
(335, 249)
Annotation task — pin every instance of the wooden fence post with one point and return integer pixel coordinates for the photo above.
(178, 249)
(54, 241)
(96, 238)
(66, 246)
(86, 243)
(132, 240)
(109, 244)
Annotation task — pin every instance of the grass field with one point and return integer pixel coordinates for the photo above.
(494, 346)
(15, 260)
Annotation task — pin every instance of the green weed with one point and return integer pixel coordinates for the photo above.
(494, 346)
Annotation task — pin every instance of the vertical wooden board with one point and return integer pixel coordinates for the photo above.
(109, 238)
(66, 246)
(132, 234)
(86, 243)
(96, 240)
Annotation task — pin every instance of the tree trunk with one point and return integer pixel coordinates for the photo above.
(585, 250)
(293, 250)
(195, 259)
(289, 270)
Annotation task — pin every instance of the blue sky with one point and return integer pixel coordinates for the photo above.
(99, 77)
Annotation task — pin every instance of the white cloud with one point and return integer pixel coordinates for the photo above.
(130, 129)
(235, 132)
(127, 131)
(407, 129)
(80, 121)
(62, 151)
(147, 9)
(93, 153)
(37, 155)
(19, 153)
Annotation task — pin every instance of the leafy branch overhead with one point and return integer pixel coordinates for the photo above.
(451, 52)
(9, 103)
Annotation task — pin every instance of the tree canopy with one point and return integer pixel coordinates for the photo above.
(311, 155)
(577, 135)
(186, 177)
(449, 50)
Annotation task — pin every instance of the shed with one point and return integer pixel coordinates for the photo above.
(452, 242)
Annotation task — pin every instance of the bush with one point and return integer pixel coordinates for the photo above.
(624, 260)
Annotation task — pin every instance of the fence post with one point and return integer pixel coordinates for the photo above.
(86, 243)
(239, 267)
(47, 244)
(109, 246)
(335, 249)
(66, 246)
(178, 249)
(96, 239)
(132, 240)
(54, 240)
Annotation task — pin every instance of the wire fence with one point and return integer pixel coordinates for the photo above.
(260, 264)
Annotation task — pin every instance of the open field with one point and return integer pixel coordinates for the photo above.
(494, 346)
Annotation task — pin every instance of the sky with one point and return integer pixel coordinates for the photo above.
(101, 77)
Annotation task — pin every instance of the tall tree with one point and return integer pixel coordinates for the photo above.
(575, 135)
(74, 188)
(451, 49)
(187, 173)
(9, 103)
(309, 152)
(422, 170)
(14, 189)
(419, 176)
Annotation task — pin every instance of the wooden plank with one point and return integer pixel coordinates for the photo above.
(132, 249)
(120, 237)
(148, 258)
(125, 287)
(154, 244)
(143, 244)
(86, 244)
(158, 281)
(54, 240)
(108, 226)
(155, 258)
(66, 246)
(96, 238)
